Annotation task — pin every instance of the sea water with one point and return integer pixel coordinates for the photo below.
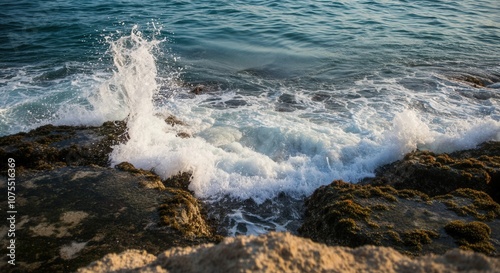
(295, 93)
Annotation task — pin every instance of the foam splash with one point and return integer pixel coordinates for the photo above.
(254, 151)
(127, 93)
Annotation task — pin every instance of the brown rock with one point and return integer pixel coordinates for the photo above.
(49, 147)
(438, 174)
(282, 252)
(71, 216)
(198, 89)
(173, 120)
(407, 220)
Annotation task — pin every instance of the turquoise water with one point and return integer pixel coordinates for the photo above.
(296, 93)
(307, 43)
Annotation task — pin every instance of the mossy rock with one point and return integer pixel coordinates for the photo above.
(407, 220)
(440, 174)
(418, 237)
(184, 213)
(50, 147)
(63, 170)
(471, 236)
(71, 216)
(468, 202)
(180, 180)
(150, 180)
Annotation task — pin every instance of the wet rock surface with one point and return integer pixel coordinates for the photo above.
(71, 209)
(438, 174)
(73, 215)
(282, 252)
(49, 147)
(478, 80)
(407, 220)
(424, 203)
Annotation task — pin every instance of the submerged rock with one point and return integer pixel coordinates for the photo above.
(282, 252)
(476, 79)
(407, 220)
(173, 120)
(198, 89)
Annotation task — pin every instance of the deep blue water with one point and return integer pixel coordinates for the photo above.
(309, 42)
(298, 93)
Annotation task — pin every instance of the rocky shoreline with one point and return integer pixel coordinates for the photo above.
(283, 252)
(74, 209)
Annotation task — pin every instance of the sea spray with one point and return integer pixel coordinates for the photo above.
(255, 152)
(252, 152)
(292, 101)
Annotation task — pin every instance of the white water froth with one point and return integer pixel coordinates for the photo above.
(254, 151)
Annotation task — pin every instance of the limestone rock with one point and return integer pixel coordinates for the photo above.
(283, 252)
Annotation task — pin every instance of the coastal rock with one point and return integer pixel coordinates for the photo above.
(438, 174)
(173, 120)
(147, 178)
(49, 147)
(408, 220)
(283, 252)
(205, 87)
(472, 80)
(478, 78)
(179, 209)
(198, 89)
(73, 209)
(71, 216)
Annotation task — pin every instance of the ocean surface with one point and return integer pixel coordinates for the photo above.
(296, 93)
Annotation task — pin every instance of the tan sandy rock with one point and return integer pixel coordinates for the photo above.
(283, 252)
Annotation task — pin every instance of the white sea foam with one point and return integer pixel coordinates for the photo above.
(254, 151)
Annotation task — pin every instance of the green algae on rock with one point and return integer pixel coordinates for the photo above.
(49, 147)
(179, 210)
(407, 220)
(468, 202)
(85, 212)
(471, 236)
(440, 174)
(73, 203)
(180, 180)
(151, 180)
(182, 212)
